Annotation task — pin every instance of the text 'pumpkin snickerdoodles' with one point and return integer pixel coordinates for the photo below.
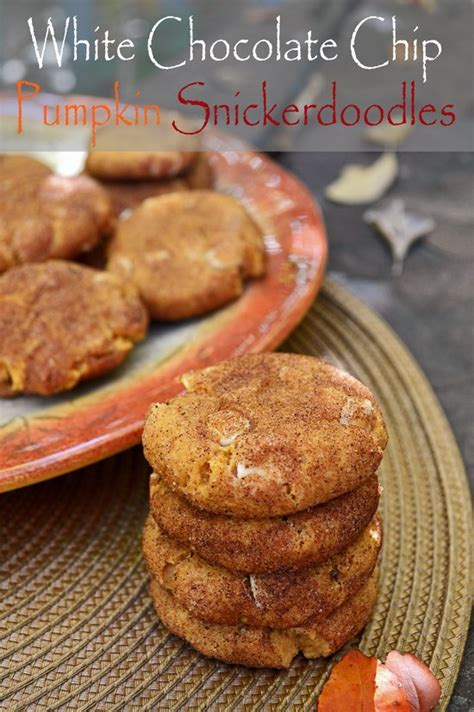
(44, 216)
(266, 435)
(61, 323)
(187, 252)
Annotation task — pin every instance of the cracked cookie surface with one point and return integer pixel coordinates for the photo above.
(139, 165)
(61, 323)
(280, 600)
(270, 544)
(45, 216)
(187, 252)
(268, 647)
(266, 435)
(128, 195)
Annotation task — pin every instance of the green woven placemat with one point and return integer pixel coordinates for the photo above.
(77, 629)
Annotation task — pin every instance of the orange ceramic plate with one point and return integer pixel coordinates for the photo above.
(45, 437)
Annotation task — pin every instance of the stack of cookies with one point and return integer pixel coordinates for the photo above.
(263, 536)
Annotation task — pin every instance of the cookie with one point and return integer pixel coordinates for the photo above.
(187, 253)
(128, 195)
(253, 546)
(138, 165)
(267, 647)
(200, 176)
(44, 216)
(61, 323)
(266, 435)
(284, 599)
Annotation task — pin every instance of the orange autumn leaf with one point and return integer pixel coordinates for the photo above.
(351, 685)
(361, 684)
(389, 694)
(419, 684)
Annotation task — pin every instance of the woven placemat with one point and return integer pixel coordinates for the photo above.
(77, 628)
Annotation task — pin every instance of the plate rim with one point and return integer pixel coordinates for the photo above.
(15, 473)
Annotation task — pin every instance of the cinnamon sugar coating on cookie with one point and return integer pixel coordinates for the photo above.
(271, 544)
(305, 433)
(280, 600)
(61, 323)
(187, 252)
(200, 176)
(263, 646)
(139, 165)
(44, 216)
(128, 195)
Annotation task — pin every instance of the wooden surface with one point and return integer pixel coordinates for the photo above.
(431, 305)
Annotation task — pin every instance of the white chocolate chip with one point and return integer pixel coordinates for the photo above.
(346, 412)
(101, 278)
(367, 407)
(253, 588)
(186, 381)
(228, 439)
(125, 263)
(375, 534)
(350, 407)
(214, 261)
(226, 426)
(244, 471)
(157, 256)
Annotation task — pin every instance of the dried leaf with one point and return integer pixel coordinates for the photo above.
(361, 684)
(400, 228)
(389, 694)
(364, 184)
(420, 685)
(351, 685)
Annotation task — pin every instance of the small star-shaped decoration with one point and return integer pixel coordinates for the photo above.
(400, 228)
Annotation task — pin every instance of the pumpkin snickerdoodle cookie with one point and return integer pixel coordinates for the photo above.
(268, 647)
(270, 544)
(263, 537)
(138, 165)
(44, 216)
(200, 175)
(187, 252)
(61, 323)
(128, 195)
(280, 600)
(266, 435)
